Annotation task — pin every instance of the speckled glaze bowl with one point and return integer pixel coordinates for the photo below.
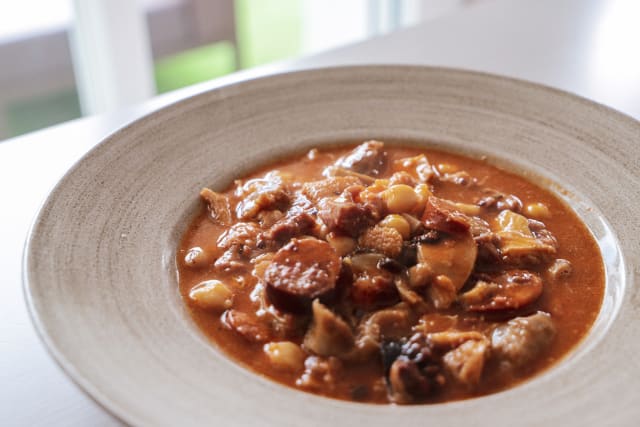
(100, 275)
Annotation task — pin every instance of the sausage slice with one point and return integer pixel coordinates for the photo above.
(301, 271)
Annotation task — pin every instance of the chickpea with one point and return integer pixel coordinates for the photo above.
(343, 245)
(560, 269)
(285, 355)
(399, 223)
(538, 211)
(423, 192)
(447, 168)
(212, 295)
(400, 198)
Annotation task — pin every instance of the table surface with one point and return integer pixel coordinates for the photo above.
(588, 47)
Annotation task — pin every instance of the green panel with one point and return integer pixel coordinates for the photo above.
(41, 111)
(268, 30)
(194, 66)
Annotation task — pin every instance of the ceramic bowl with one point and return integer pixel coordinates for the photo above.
(100, 272)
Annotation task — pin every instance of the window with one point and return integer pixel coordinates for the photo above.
(188, 41)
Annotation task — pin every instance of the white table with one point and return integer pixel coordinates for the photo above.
(589, 47)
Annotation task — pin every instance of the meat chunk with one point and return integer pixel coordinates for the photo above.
(233, 260)
(466, 362)
(369, 292)
(301, 271)
(402, 178)
(345, 216)
(293, 225)
(417, 166)
(540, 232)
(494, 199)
(450, 339)
(372, 286)
(330, 187)
(458, 178)
(368, 158)
(328, 335)
(238, 241)
(417, 373)
(244, 234)
(443, 215)
(283, 326)
(268, 193)
(268, 219)
(478, 227)
(523, 242)
(384, 240)
(247, 326)
(522, 339)
(509, 290)
(218, 204)
(408, 383)
(384, 325)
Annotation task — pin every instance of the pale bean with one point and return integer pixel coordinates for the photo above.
(538, 211)
(212, 295)
(399, 223)
(400, 198)
(423, 192)
(197, 257)
(285, 355)
(560, 269)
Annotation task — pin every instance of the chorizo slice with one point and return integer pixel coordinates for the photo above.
(301, 271)
(345, 216)
(443, 215)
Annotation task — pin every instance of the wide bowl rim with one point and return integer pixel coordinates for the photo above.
(47, 336)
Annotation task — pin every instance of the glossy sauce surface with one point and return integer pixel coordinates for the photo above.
(572, 302)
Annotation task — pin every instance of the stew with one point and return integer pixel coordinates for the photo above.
(390, 274)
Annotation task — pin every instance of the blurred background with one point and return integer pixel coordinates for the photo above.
(64, 59)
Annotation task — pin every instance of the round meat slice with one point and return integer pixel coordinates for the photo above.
(301, 271)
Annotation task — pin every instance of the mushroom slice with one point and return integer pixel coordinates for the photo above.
(329, 335)
(509, 290)
(465, 363)
(384, 325)
(453, 257)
